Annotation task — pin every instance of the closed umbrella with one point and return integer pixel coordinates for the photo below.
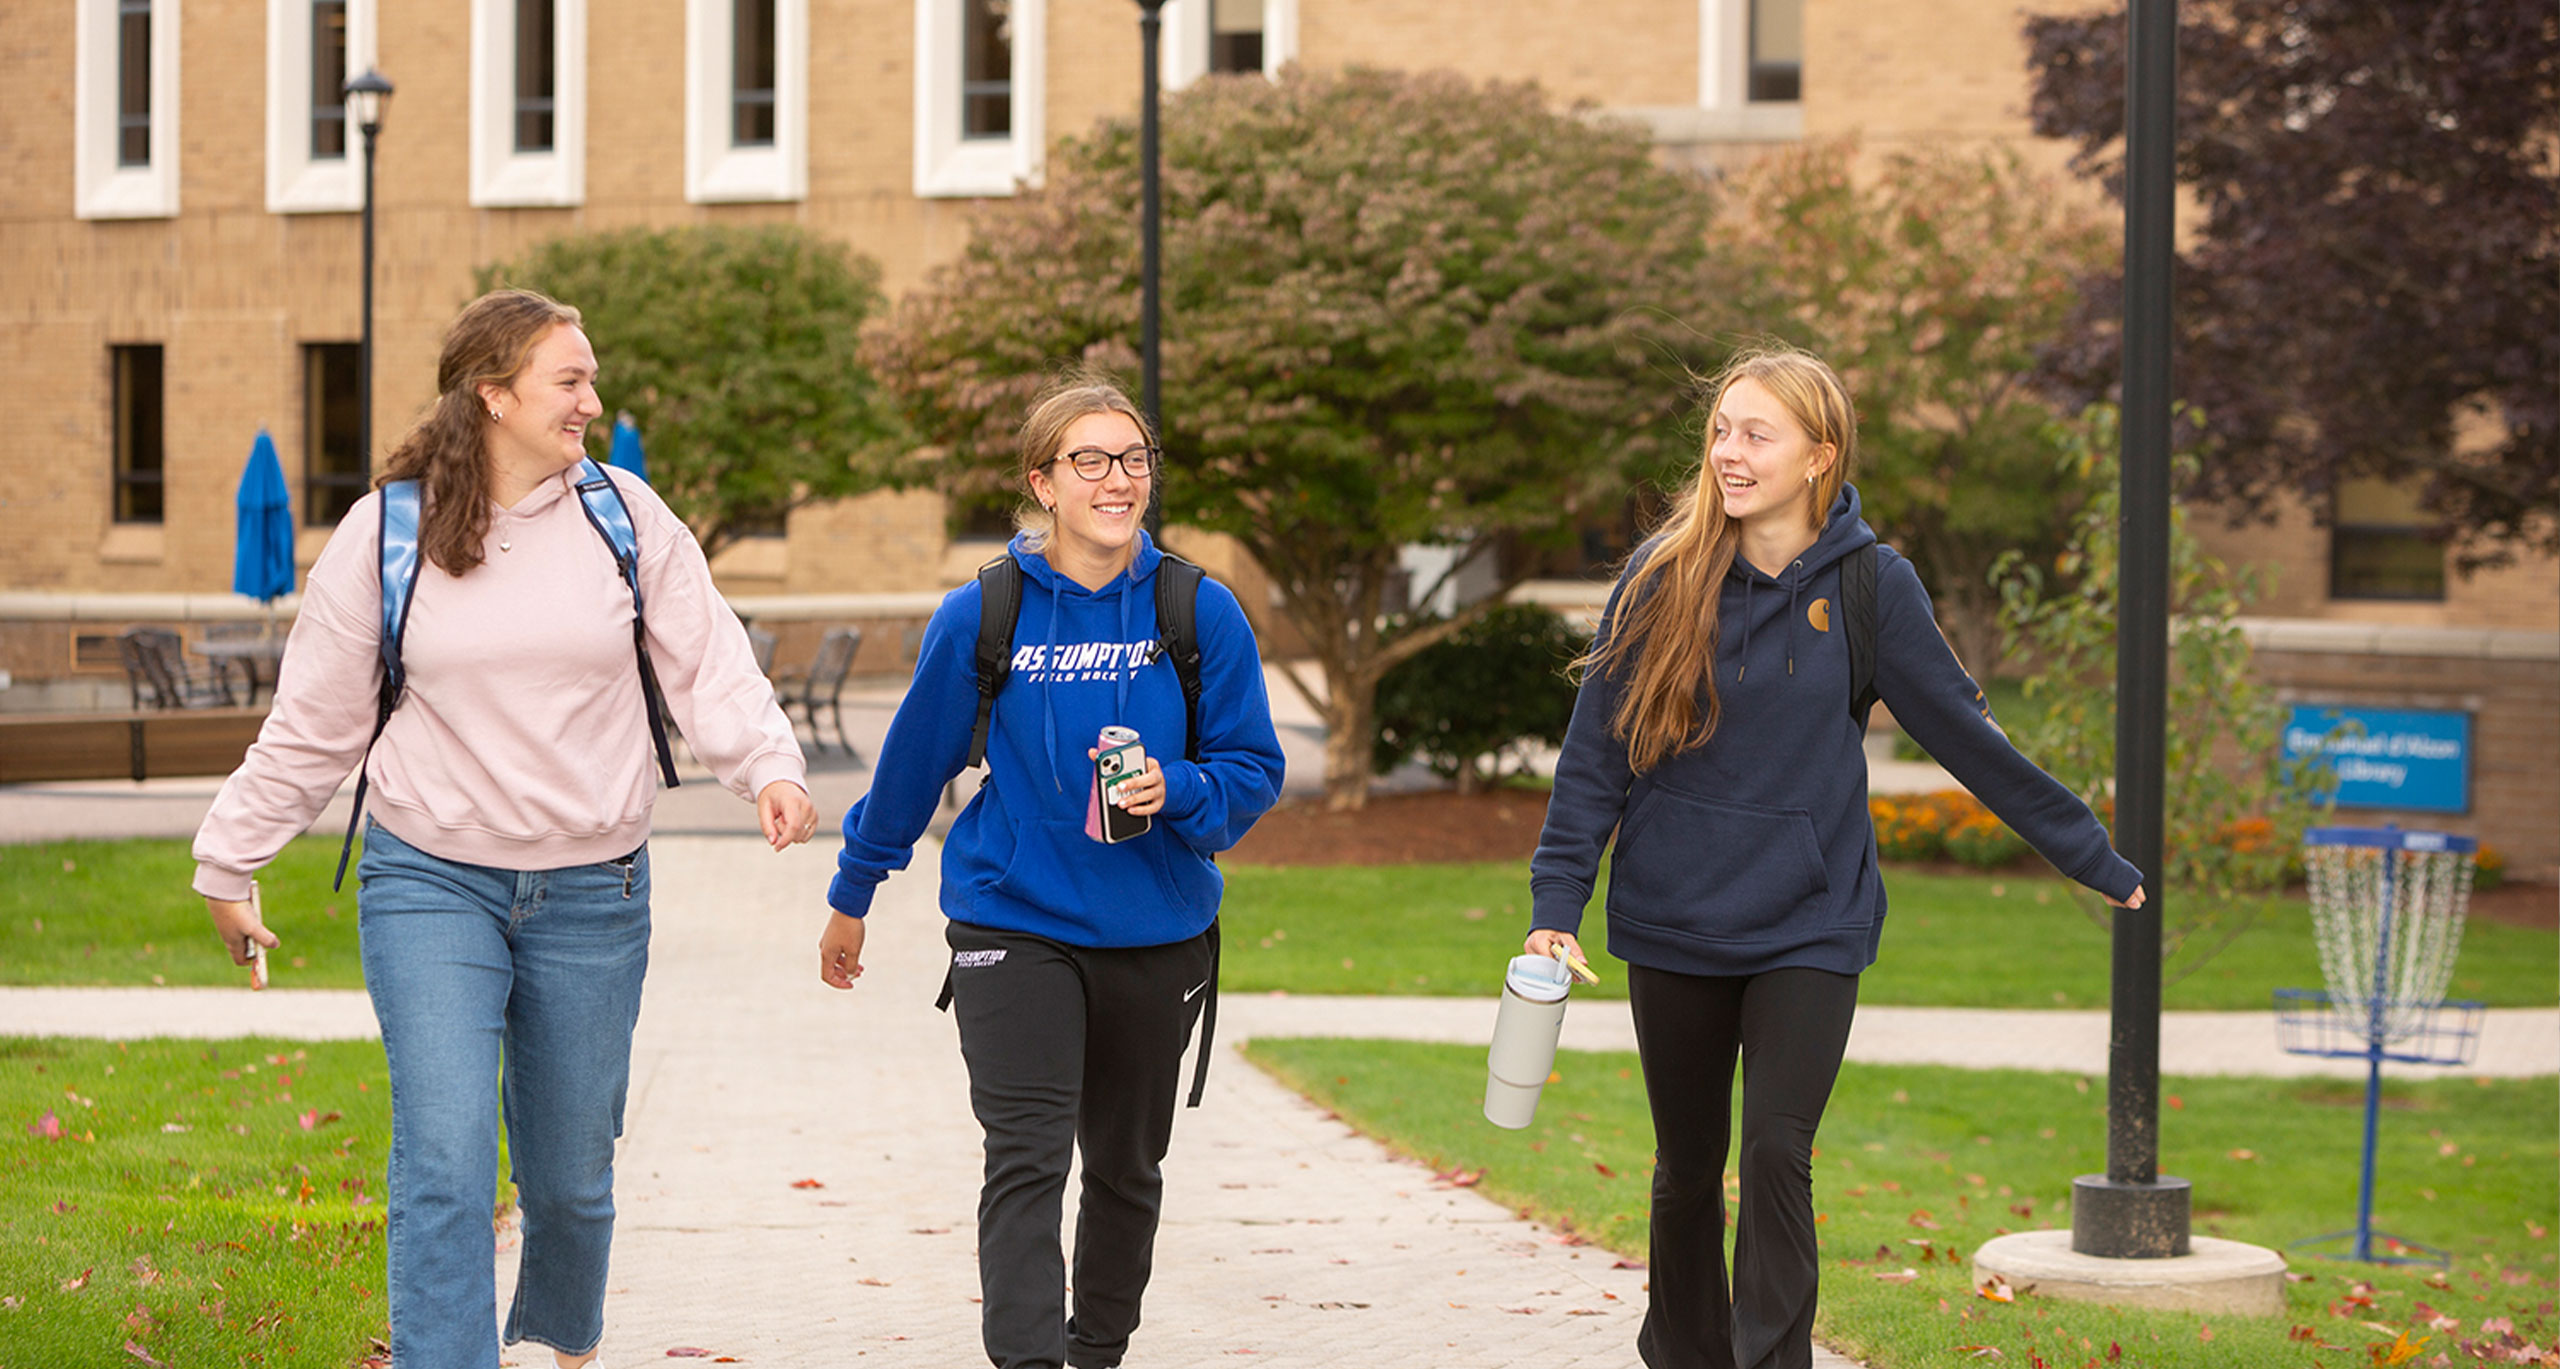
(262, 554)
(626, 447)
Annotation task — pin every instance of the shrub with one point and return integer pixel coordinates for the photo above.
(1984, 842)
(2488, 869)
(1463, 705)
(1907, 828)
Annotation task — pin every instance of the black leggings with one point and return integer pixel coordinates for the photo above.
(1790, 1028)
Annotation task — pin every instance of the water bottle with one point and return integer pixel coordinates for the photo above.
(1524, 1039)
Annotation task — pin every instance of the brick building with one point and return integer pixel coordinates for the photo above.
(179, 187)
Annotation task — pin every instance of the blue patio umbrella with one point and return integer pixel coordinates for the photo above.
(262, 554)
(626, 448)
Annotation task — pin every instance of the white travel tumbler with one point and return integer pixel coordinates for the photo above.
(1524, 1039)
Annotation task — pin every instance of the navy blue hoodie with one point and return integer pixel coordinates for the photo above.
(1017, 857)
(1755, 852)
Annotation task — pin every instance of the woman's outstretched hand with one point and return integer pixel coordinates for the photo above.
(840, 950)
(787, 815)
(2132, 900)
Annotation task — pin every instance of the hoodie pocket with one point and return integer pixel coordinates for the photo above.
(1716, 870)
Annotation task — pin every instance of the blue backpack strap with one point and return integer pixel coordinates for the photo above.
(611, 518)
(398, 567)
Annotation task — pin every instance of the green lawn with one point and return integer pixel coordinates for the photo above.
(121, 912)
(2006, 941)
(1917, 1166)
(206, 1202)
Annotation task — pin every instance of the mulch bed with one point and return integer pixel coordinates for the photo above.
(1502, 824)
(1398, 829)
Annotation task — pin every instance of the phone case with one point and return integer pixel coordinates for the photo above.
(1111, 769)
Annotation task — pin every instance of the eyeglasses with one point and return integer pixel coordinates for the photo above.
(1093, 463)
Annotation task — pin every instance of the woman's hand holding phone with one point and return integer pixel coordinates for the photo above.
(244, 934)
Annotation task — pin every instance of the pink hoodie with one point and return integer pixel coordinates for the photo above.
(523, 742)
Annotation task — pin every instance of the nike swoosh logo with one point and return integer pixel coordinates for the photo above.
(1195, 991)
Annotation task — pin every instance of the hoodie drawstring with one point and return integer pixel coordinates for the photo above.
(1743, 662)
(1795, 582)
(1048, 694)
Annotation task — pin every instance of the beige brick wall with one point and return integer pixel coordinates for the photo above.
(2296, 551)
(232, 291)
(1607, 52)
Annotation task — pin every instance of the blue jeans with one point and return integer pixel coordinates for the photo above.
(487, 981)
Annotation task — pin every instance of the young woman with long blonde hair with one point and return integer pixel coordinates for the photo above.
(1715, 736)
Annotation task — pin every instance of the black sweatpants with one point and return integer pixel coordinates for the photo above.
(1071, 1048)
(1790, 1028)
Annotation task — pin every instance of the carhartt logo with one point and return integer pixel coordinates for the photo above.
(970, 960)
(1818, 613)
(1194, 991)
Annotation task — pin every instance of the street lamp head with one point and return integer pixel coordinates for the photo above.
(367, 95)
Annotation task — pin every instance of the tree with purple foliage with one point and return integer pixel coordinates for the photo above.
(2372, 287)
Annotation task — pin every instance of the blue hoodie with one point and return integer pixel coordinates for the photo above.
(1755, 852)
(1017, 858)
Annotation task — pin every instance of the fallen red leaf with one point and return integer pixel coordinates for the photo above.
(687, 1352)
(77, 1282)
(1628, 1264)
(806, 1183)
(1605, 1171)
(143, 1355)
(48, 1126)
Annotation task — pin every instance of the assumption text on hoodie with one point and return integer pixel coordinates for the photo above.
(522, 742)
(1017, 858)
(1755, 851)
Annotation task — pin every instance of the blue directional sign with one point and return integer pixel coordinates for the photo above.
(2387, 758)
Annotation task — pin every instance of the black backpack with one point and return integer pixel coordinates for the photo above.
(1177, 622)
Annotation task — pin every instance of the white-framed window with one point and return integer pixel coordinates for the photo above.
(125, 109)
(979, 108)
(315, 154)
(746, 100)
(1202, 37)
(1750, 52)
(528, 102)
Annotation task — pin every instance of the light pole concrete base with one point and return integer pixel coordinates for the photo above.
(2217, 1276)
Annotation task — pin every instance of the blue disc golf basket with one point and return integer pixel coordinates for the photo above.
(2387, 906)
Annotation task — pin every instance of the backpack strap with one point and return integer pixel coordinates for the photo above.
(398, 568)
(1858, 621)
(1178, 622)
(999, 607)
(611, 518)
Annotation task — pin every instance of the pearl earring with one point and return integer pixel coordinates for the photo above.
(495, 415)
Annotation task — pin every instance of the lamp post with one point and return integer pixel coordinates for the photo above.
(366, 96)
(1150, 235)
(1151, 216)
(2133, 1211)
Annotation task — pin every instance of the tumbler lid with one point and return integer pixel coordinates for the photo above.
(1538, 978)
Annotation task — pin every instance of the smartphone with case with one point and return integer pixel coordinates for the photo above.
(1114, 767)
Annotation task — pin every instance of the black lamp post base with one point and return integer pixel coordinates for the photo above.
(2129, 1221)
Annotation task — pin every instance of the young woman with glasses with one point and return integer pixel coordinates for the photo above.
(1078, 968)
